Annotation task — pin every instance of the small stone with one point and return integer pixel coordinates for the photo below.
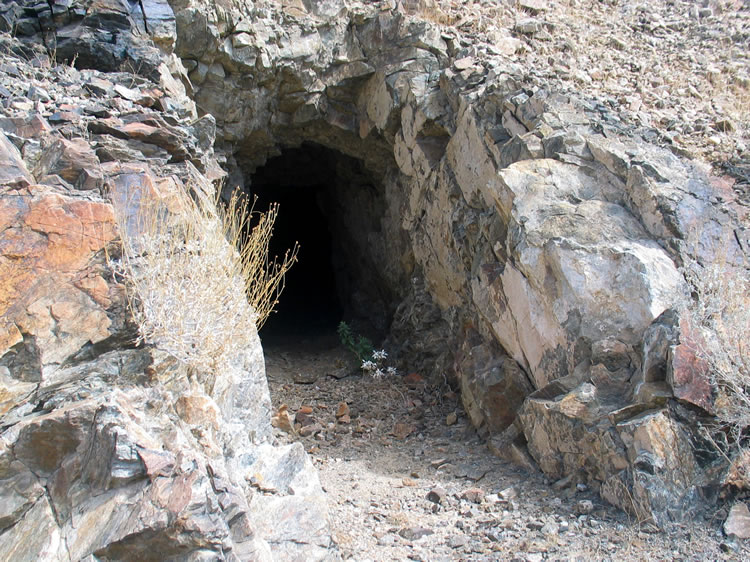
(437, 495)
(437, 463)
(458, 541)
(283, 420)
(474, 495)
(535, 525)
(563, 482)
(738, 522)
(725, 125)
(550, 528)
(494, 535)
(533, 6)
(413, 380)
(64, 117)
(308, 430)
(304, 419)
(305, 410)
(402, 430)
(305, 378)
(345, 419)
(451, 419)
(342, 410)
(464, 63)
(36, 93)
(584, 507)
(408, 482)
(414, 533)
(528, 26)
(387, 540)
(508, 494)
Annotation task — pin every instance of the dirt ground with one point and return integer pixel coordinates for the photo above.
(408, 477)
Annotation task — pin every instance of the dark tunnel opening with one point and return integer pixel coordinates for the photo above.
(320, 192)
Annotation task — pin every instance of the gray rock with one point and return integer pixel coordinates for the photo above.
(504, 243)
(415, 533)
(437, 495)
(737, 523)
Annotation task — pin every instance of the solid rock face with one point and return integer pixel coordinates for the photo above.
(110, 449)
(529, 252)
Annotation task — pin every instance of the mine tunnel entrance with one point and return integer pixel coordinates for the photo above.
(329, 204)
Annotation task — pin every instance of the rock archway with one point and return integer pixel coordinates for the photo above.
(524, 246)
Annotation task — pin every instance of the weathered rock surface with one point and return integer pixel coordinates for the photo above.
(108, 449)
(541, 237)
(738, 522)
(517, 243)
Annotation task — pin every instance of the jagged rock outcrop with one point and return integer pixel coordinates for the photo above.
(524, 245)
(111, 450)
(546, 242)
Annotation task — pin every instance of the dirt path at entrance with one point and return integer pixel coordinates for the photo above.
(408, 478)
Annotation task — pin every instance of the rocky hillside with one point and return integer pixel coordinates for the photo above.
(511, 206)
(111, 450)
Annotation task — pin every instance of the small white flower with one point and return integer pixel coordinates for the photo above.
(378, 374)
(379, 355)
(391, 371)
(368, 366)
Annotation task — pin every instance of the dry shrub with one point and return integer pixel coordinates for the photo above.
(191, 268)
(720, 308)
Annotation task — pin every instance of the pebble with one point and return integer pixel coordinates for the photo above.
(437, 495)
(342, 410)
(387, 540)
(414, 533)
(457, 541)
(451, 419)
(305, 378)
(474, 495)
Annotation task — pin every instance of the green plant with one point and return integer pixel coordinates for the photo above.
(372, 361)
(359, 345)
(187, 281)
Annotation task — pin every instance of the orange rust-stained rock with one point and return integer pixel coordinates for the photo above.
(48, 242)
(198, 410)
(413, 380)
(342, 410)
(688, 373)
